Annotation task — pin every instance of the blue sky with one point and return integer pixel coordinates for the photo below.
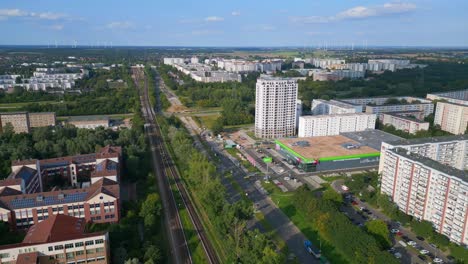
(235, 22)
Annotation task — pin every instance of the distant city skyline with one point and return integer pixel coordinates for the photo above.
(241, 23)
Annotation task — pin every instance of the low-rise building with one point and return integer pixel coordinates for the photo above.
(89, 122)
(404, 123)
(378, 105)
(457, 97)
(58, 239)
(330, 125)
(22, 122)
(91, 188)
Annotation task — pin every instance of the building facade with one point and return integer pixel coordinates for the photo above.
(427, 190)
(451, 117)
(450, 150)
(89, 122)
(42, 119)
(59, 239)
(333, 107)
(378, 105)
(457, 97)
(275, 107)
(407, 124)
(330, 125)
(22, 122)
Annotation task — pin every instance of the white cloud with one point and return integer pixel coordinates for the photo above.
(235, 13)
(359, 12)
(120, 25)
(9, 13)
(57, 27)
(214, 19)
(48, 15)
(205, 32)
(12, 13)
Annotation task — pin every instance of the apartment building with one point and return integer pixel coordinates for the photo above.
(275, 107)
(452, 117)
(449, 150)
(91, 188)
(404, 123)
(42, 119)
(8, 81)
(89, 122)
(19, 121)
(22, 122)
(457, 97)
(325, 63)
(58, 239)
(378, 105)
(427, 190)
(333, 107)
(330, 125)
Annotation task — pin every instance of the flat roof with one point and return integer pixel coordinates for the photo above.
(336, 103)
(312, 148)
(462, 175)
(88, 118)
(371, 137)
(419, 141)
(412, 119)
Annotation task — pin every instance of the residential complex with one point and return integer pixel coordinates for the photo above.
(451, 111)
(405, 123)
(243, 66)
(275, 107)
(58, 239)
(22, 122)
(8, 81)
(90, 185)
(202, 73)
(378, 105)
(450, 150)
(334, 124)
(426, 188)
(332, 107)
(44, 78)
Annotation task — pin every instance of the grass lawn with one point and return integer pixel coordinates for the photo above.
(207, 120)
(285, 203)
(20, 105)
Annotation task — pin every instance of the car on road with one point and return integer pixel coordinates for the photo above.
(424, 251)
(421, 257)
(287, 178)
(438, 260)
(397, 255)
(362, 208)
(420, 238)
(433, 245)
(411, 243)
(394, 231)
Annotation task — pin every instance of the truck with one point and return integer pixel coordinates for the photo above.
(312, 249)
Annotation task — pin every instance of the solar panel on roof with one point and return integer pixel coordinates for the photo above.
(50, 200)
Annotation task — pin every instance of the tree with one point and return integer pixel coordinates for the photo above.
(152, 254)
(378, 229)
(332, 195)
(151, 210)
(218, 126)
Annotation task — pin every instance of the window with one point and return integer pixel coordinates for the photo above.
(99, 241)
(60, 256)
(4, 255)
(90, 251)
(79, 244)
(39, 211)
(89, 243)
(91, 260)
(69, 245)
(70, 255)
(79, 252)
(51, 248)
(70, 207)
(54, 209)
(59, 247)
(100, 249)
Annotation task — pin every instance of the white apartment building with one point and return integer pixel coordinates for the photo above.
(331, 125)
(378, 105)
(449, 150)
(407, 124)
(457, 97)
(452, 117)
(325, 63)
(275, 107)
(333, 107)
(8, 81)
(427, 190)
(172, 61)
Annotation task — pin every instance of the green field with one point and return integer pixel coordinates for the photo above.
(207, 120)
(18, 106)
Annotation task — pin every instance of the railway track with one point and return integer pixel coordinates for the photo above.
(169, 171)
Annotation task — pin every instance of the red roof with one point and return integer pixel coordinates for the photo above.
(28, 258)
(10, 181)
(56, 228)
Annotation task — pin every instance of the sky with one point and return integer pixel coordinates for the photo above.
(234, 23)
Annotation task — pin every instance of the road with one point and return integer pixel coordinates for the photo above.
(285, 229)
(413, 257)
(165, 170)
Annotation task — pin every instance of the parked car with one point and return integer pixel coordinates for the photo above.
(394, 231)
(438, 260)
(397, 255)
(420, 238)
(421, 257)
(411, 243)
(433, 245)
(424, 251)
(405, 238)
